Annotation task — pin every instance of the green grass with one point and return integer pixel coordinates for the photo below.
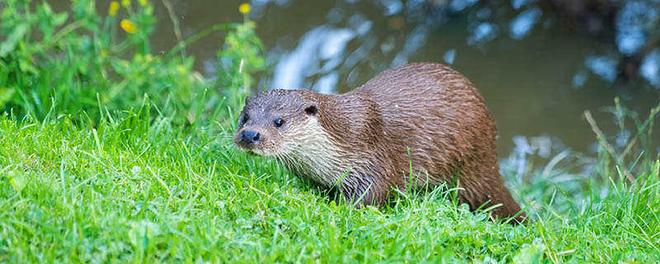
(110, 153)
(133, 189)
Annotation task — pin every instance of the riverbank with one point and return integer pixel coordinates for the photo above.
(139, 190)
(111, 152)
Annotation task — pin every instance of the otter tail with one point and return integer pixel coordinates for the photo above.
(487, 190)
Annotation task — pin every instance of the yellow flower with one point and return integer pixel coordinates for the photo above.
(126, 3)
(244, 8)
(128, 26)
(143, 2)
(114, 7)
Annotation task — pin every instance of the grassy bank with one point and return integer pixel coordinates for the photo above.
(139, 190)
(151, 175)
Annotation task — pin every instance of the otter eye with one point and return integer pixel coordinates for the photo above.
(278, 122)
(244, 118)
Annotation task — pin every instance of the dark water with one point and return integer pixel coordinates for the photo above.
(537, 74)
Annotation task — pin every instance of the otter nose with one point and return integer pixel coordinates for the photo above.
(249, 136)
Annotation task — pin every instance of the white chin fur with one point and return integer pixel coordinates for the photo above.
(309, 150)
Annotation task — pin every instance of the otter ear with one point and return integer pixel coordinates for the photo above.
(311, 109)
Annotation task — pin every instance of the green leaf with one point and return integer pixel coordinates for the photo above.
(60, 18)
(14, 37)
(6, 94)
(17, 182)
(529, 254)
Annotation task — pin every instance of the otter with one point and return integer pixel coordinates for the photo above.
(414, 126)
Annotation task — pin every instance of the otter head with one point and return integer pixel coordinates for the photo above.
(276, 122)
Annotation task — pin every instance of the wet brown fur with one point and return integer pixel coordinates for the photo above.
(423, 113)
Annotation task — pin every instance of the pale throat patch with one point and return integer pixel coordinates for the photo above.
(308, 150)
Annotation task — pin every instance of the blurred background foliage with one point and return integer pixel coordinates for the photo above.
(79, 62)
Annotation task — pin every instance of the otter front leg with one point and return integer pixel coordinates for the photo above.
(363, 190)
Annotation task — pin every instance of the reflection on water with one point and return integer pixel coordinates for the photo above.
(522, 24)
(602, 66)
(482, 33)
(634, 23)
(650, 68)
(319, 51)
(537, 75)
(415, 20)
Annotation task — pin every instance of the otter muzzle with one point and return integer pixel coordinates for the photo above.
(249, 137)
